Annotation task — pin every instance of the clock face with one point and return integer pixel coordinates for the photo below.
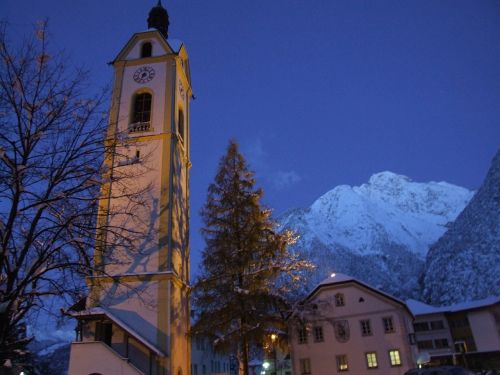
(144, 74)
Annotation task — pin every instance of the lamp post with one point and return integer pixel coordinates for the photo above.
(274, 337)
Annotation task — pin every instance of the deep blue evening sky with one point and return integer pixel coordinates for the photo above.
(317, 93)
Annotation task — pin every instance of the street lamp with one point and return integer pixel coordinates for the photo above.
(274, 337)
(265, 365)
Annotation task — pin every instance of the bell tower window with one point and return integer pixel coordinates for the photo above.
(180, 128)
(146, 49)
(141, 113)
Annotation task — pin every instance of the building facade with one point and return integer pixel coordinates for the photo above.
(466, 334)
(205, 360)
(135, 319)
(345, 326)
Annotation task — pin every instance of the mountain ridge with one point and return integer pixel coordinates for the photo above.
(376, 230)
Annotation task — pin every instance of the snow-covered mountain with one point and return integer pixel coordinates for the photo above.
(378, 232)
(464, 264)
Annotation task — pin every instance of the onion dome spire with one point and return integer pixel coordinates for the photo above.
(158, 19)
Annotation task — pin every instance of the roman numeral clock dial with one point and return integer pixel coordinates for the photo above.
(144, 74)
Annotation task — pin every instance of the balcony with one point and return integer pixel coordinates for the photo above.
(139, 127)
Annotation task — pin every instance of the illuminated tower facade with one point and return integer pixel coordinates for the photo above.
(136, 317)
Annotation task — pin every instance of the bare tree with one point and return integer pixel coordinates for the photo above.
(55, 157)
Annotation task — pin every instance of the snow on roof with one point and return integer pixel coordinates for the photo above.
(337, 278)
(121, 323)
(420, 308)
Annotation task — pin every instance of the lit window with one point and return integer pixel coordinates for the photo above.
(305, 366)
(366, 329)
(141, 115)
(302, 335)
(318, 334)
(339, 299)
(394, 357)
(388, 325)
(146, 49)
(371, 360)
(342, 364)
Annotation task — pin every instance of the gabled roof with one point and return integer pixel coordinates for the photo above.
(420, 308)
(342, 279)
(172, 45)
(100, 311)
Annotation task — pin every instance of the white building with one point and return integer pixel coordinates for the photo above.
(347, 326)
(205, 360)
(466, 333)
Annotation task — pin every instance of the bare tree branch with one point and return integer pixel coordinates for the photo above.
(54, 168)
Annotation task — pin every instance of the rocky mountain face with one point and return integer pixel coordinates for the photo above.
(464, 265)
(378, 232)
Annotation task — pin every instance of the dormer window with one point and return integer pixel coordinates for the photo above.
(146, 49)
(141, 113)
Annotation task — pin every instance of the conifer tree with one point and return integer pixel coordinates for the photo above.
(247, 269)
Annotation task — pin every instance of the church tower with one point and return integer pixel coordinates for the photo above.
(136, 317)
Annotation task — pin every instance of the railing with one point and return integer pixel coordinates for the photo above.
(137, 127)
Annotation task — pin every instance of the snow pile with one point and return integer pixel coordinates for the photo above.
(378, 232)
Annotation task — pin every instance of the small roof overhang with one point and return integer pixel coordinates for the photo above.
(99, 312)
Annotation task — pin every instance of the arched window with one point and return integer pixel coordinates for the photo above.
(141, 112)
(180, 128)
(146, 49)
